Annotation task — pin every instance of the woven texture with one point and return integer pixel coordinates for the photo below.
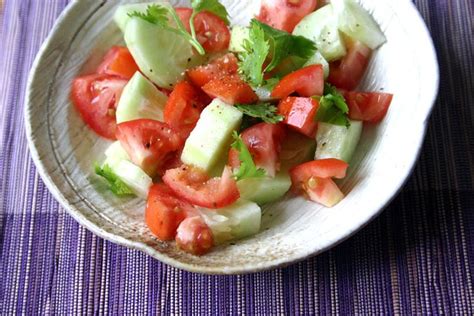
(416, 258)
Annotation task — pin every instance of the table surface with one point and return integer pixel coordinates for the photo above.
(417, 257)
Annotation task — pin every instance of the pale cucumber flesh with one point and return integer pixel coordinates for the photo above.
(140, 100)
(266, 189)
(318, 59)
(238, 36)
(210, 140)
(121, 16)
(340, 142)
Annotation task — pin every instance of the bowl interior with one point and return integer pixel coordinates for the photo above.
(65, 150)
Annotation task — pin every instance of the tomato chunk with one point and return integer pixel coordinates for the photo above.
(164, 212)
(314, 180)
(96, 98)
(231, 90)
(211, 31)
(307, 82)
(195, 186)
(194, 236)
(264, 142)
(118, 62)
(183, 108)
(217, 68)
(285, 14)
(149, 143)
(300, 114)
(348, 72)
(370, 107)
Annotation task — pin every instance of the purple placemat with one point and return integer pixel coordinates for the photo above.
(416, 258)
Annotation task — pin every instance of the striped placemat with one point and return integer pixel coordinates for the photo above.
(416, 258)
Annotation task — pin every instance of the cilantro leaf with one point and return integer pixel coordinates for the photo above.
(247, 167)
(212, 6)
(264, 111)
(333, 108)
(117, 186)
(160, 15)
(252, 59)
(271, 83)
(284, 44)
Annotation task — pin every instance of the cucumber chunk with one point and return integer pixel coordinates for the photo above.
(160, 54)
(336, 141)
(140, 100)
(239, 220)
(116, 151)
(238, 36)
(296, 149)
(210, 140)
(321, 27)
(121, 16)
(358, 24)
(266, 189)
(318, 59)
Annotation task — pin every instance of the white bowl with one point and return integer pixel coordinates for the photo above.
(64, 149)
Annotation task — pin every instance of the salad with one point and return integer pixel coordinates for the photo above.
(212, 121)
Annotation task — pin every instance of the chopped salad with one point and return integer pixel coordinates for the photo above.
(211, 121)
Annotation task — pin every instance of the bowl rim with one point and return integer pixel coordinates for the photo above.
(245, 269)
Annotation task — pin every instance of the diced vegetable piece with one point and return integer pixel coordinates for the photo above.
(217, 68)
(357, 23)
(300, 114)
(369, 107)
(140, 100)
(307, 82)
(322, 28)
(285, 14)
(238, 35)
(323, 191)
(121, 16)
(318, 59)
(340, 142)
(239, 220)
(134, 177)
(264, 190)
(118, 62)
(161, 55)
(230, 89)
(211, 138)
(296, 149)
(194, 236)
(116, 151)
(164, 212)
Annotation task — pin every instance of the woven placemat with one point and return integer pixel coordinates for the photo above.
(416, 258)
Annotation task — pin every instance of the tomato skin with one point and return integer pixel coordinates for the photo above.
(264, 142)
(348, 72)
(211, 31)
(119, 62)
(164, 212)
(314, 180)
(369, 107)
(217, 68)
(184, 107)
(194, 236)
(285, 14)
(307, 82)
(149, 143)
(194, 186)
(96, 98)
(300, 114)
(231, 90)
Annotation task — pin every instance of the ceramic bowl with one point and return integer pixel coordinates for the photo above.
(64, 149)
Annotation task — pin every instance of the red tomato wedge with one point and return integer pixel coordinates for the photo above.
(231, 90)
(217, 68)
(368, 106)
(349, 71)
(195, 186)
(300, 114)
(307, 82)
(183, 108)
(211, 31)
(164, 212)
(285, 14)
(314, 179)
(96, 98)
(194, 236)
(149, 143)
(264, 142)
(119, 62)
